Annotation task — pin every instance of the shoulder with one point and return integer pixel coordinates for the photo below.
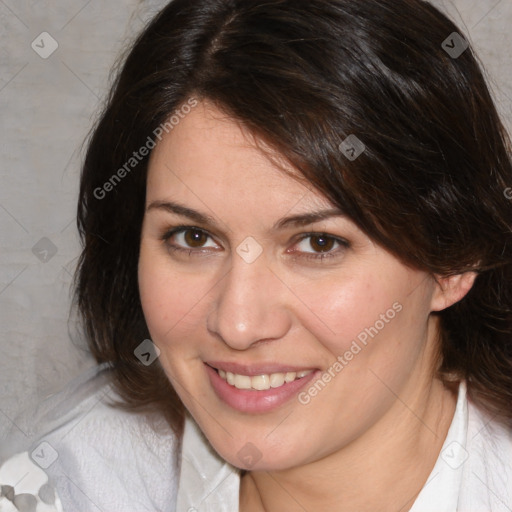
(473, 471)
(100, 457)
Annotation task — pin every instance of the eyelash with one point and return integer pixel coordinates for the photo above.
(344, 244)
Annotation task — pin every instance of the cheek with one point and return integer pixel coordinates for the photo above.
(369, 315)
(171, 300)
(339, 309)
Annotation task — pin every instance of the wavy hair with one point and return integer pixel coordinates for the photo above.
(303, 75)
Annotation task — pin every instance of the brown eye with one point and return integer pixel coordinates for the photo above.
(320, 246)
(190, 240)
(321, 243)
(195, 238)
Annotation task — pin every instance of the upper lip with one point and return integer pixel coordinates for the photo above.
(254, 369)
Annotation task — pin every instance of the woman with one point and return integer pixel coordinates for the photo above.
(297, 269)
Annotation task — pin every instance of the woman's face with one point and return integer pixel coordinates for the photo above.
(249, 276)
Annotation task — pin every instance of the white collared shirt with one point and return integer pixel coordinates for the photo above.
(112, 461)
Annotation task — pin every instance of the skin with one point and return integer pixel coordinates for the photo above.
(383, 415)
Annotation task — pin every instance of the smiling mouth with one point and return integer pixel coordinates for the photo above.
(262, 382)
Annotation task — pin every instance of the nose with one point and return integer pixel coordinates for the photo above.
(250, 305)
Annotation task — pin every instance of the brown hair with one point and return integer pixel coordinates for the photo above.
(303, 75)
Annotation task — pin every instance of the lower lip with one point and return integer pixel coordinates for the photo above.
(252, 401)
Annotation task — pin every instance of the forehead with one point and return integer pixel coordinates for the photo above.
(210, 157)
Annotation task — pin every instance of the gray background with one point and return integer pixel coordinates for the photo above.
(47, 107)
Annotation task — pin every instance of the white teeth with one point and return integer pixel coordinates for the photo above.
(276, 380)
(242, 382)
(261, 382)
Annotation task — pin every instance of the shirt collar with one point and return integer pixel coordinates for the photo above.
(441, 491)
(207, 482)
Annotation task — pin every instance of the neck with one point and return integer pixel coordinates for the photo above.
(384, 469)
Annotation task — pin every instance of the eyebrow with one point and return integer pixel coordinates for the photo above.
(178, 209)
(303, 219)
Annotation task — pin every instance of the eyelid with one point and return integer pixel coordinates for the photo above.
(181, 229)
(324, 234)
(343, 243)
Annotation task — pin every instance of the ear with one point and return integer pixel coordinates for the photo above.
(452, 289)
